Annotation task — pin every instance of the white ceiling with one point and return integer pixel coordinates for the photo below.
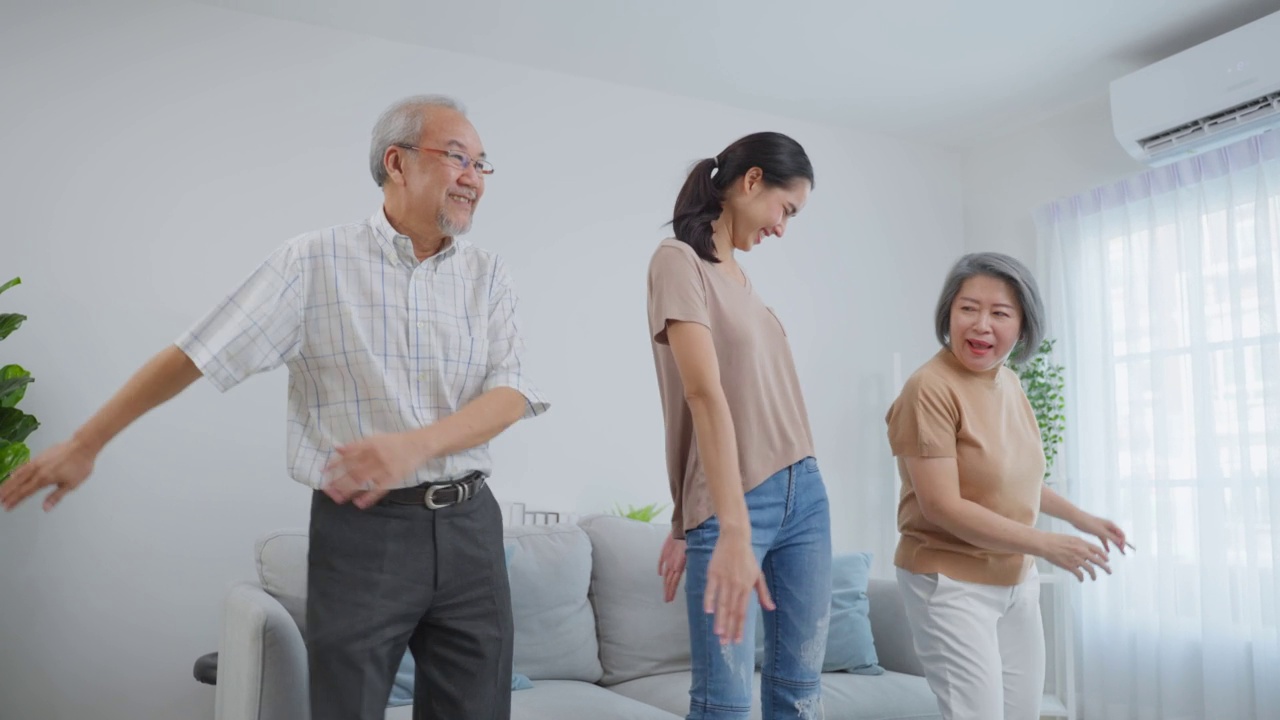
(952, 73)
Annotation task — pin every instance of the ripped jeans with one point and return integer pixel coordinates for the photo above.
(791, 536)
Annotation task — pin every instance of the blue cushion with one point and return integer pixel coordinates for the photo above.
(402, 688)
(850, 647)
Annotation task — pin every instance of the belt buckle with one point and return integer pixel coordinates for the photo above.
(429, 499)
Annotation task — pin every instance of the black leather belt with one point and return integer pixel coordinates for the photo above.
(439, 495)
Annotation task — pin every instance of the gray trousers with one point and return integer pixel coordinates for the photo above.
(399, 575)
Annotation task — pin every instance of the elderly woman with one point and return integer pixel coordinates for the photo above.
(972, 468)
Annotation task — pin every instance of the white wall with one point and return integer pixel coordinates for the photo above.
(154, 153)
(1006, 179)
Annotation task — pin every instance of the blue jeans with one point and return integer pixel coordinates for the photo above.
(791, 536)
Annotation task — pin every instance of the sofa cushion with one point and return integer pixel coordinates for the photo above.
(549, 567)
(639, 634)
(895, 650)
(560, 699)
(550, 571)
(281, 557)
(891, 696)
(406, 678)
(850, 645)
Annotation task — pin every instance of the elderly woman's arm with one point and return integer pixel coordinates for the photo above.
(936, 481)
(1107, 532)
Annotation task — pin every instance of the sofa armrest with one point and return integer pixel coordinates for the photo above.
(889, 627)
(262, 660)
(206, 669)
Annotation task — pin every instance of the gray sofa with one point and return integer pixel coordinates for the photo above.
(592, 633)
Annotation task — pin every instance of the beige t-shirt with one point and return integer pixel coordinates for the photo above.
(986, 423)
(757, 373)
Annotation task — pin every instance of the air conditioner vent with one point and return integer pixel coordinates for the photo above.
(1193, 131)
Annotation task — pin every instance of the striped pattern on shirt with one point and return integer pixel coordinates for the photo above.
(375, 341)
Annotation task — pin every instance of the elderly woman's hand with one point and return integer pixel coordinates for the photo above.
(1073, 554)
(1106, 531)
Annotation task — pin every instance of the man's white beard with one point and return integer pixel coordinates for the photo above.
(448, 227)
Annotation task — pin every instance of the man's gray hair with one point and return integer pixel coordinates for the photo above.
(1020, 281)
(402, 124)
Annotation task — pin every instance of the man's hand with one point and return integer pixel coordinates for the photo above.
(65, 465)
(366, 470)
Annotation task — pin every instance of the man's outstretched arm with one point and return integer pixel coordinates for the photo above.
(67, 465)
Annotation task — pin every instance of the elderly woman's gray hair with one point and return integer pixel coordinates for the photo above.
(402, 124)
(1020, 281)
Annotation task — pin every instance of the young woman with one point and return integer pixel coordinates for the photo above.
(750, 504)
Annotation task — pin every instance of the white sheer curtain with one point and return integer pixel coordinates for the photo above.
(1164, 291)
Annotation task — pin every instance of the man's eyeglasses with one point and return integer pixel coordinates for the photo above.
(458, 159)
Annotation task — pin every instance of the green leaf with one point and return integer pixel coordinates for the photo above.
(11, 283)
(643, 514)
(11, 456)
(16, 425)
(1043, 381)
(10, 322)
(13, 382)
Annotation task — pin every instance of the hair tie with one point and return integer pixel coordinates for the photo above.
(715, 167)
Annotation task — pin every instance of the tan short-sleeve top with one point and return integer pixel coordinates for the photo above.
(986, 423)
(757, 372)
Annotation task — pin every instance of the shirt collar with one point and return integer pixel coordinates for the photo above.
(398, 245)
(991, 375)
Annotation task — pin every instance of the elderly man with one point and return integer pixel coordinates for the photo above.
(404, 361)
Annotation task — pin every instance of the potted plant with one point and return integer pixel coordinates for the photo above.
(643, 514)
(15, 425)
(1043, 381)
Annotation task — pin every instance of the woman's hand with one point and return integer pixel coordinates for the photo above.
(671, 566)
(731, 575)
(1074, 554)
(1106, 531)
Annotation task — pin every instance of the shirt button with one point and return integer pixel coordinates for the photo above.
(421, 325)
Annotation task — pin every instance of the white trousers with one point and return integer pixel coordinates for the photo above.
(982, 646)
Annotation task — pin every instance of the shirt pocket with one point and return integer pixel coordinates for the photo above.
(457, 363)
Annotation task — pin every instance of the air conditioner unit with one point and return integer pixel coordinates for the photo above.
(1213, 94)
